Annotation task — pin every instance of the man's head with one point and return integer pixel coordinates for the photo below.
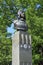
(21, 14)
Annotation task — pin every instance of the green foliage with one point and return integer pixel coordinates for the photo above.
(35, 24)
(34, 19)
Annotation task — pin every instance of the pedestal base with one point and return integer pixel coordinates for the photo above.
(21, 49)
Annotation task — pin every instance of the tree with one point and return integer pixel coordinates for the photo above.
(34, 18)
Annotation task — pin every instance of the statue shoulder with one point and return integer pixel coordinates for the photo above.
(15, 21)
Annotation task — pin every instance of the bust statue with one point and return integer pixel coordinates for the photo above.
(20, 24)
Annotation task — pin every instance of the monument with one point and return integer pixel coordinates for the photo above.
(21, 42)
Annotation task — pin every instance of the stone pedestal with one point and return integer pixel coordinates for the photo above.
(21, 49)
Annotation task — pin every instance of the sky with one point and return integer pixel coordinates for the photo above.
(11, 29)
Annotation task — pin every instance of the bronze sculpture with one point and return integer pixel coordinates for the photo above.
(20, 24)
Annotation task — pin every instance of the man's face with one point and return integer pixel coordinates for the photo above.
(22, 14)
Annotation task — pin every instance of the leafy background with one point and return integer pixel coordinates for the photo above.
(34, 18)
